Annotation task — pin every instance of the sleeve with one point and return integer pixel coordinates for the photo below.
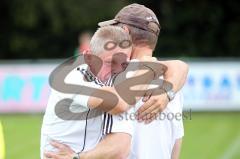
(80, 103)
(80, 100)
(122, 123)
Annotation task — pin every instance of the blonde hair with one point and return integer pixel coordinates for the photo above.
(108, 34)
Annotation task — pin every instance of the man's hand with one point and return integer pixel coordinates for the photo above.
(64, 151)
(152, 107)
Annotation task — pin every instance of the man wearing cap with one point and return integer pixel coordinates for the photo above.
(144, 28)
(160, 138)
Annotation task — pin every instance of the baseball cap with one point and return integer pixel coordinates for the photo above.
(138, 16)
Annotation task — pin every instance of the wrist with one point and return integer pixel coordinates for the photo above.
(76, 156)
(168, 89)
(170, 94)
(166, 96)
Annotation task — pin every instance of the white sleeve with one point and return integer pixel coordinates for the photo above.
(79, 101)
(76, 77)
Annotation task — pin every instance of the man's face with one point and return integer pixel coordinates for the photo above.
(114, 61)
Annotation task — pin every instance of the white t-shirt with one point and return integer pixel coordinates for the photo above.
(154, 140)
(78, 134)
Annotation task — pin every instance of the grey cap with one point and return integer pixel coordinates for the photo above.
(138, 16)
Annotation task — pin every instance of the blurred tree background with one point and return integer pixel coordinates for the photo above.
(32, 29)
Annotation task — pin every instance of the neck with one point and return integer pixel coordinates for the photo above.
(139, 52)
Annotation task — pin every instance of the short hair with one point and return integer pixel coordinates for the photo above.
(105, 34)
(141, 37)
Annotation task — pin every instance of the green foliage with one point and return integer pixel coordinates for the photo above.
(49, 28)
(198, 28)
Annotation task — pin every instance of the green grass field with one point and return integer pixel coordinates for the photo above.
(207, 136)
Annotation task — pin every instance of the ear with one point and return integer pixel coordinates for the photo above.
(86, 51)
(87, 56)
(93, 61)
(88, 59)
